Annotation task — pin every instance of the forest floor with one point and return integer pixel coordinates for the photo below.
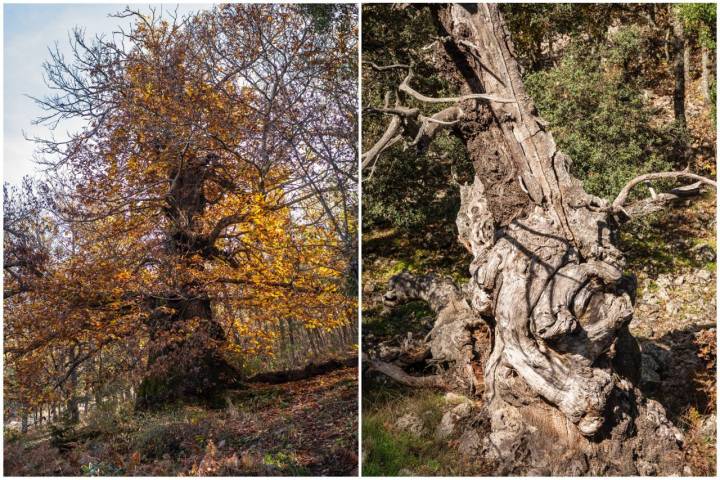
(427, 432)
(306, 427)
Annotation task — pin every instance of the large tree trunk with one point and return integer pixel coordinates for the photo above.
(185, 361)
(547, 275)
(541, 328)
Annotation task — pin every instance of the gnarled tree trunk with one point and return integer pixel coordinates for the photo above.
(185, 361)
(541, 328)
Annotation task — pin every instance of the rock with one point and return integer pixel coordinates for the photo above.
(708, 426)
(411, 423)
(463, 410)
(645, 468)
(704, 275)
(469, 443)
(679, 280)
(404, 472)
(446, 427)
(687, 471)
(455, 399)
(704, 253)
(649, 372)
(450, 420)
(671, 308)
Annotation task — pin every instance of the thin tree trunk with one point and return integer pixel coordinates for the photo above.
(679, 68)
(687, 64)
(23, 420)
(707, 73)
(73, 412)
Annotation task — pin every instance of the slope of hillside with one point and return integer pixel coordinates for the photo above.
(306, 427)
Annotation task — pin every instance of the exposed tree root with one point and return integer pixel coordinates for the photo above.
(309, 371)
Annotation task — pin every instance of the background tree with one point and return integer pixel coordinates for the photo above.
(699, 20)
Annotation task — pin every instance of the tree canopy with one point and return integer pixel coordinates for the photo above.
(208, 197)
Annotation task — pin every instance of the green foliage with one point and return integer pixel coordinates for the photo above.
(386, 453)
(408, 190)
(536, 27)
(327, 16)
(399, 320)
(287, 463)
(101, 469)
(699, 19)
(389, 451)
(12, 435)
(599, 116)
(671, 241)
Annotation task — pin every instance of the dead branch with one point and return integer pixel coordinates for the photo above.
(405, 87)
(389, 138)
(399, 375)
(661, 201)
(622, 196)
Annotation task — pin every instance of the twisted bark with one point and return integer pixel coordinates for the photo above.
(185, 361)
(546, 280)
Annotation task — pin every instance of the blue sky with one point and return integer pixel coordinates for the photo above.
(29, 29)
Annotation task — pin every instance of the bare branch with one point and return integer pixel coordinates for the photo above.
(390, 137)
(622, 196)
(660, 201)
(380, 68)
(405, 87)
(399, 375)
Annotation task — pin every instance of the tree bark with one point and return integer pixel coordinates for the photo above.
(541, 328)
(23, 420)
(707, 73)
(679, 53)
(71, 406)
(185, 362)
